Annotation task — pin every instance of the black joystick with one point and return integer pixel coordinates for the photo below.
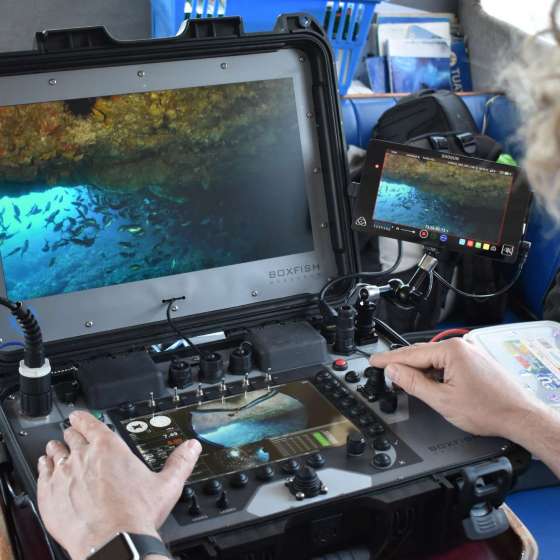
(180, 374)
(223, 502)
(241, 359)
(389, 402)
(375, 384)
(355, 444)
(306, 484)
(365, 322)
(211, 367)
(194, 508)
(345, 329)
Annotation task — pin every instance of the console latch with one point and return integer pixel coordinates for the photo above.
(483, 489)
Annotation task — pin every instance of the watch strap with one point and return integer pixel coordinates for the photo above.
(146, 545)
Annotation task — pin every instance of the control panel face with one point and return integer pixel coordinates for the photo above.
(272, 442)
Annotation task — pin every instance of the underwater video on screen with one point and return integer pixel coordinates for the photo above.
(449, 197)
(108, 190)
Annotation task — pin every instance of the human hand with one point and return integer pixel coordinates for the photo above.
(93, 486)
(476, 395)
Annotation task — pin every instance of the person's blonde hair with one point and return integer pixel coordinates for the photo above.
(533, 82)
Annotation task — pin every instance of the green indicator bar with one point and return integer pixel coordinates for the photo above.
(321, 439)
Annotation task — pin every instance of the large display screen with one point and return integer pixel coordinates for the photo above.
(442, 200)
(243, 431)
(108, 190)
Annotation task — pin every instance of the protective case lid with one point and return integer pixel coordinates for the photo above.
(138, 135)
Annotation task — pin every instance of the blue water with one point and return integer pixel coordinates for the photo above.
(404, 204)
(67, 239)
(278, 416)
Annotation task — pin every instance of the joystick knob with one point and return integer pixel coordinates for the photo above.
(213, 487)
(187, 494)
(355, 444)
(375, 384)
(241, 359)
(306, 484)
(389, 402)
(211, 367)
(180, 374)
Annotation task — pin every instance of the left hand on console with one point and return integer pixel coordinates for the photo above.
(93, 486)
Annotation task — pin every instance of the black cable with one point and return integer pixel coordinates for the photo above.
(356, 276)
(178, 331)
(523, 254)
(34, 353)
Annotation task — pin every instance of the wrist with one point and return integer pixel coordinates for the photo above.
(523, 423)
(99, 536)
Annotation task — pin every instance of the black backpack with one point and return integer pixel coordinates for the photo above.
(440, 120)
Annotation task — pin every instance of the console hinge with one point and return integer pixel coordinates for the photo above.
(55, 40)
(297, 22)
(482, 489)
(205, 28)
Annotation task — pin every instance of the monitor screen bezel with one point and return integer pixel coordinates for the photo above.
(111, 308)
(514, 221)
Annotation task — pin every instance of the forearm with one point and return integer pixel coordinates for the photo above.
(537, 429)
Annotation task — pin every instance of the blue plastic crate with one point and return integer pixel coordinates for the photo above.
(346, 23)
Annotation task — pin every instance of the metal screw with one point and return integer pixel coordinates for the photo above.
(224, 65)
(316, 170)
(301, 59)
(309, 114)
(52, 82)
(23, 433)
(12, 397)
(254, 293)
(89, 324)
(174, 308)
(401, 462)
(141, 74)
(504, 447)
(324, 225)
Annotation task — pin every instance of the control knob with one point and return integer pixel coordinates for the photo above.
(211, 367)
(240, 360)
(355, 444)
(180, 374)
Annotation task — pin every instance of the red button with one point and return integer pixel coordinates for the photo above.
(340, 365)
(424, 233)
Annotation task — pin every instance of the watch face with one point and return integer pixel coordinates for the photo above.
(119, 548)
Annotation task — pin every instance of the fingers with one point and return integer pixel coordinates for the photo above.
(181, 462)
(422, 356)
(87, 426)
(45, 467)
(57, 452)
(414, 382)
(74, 439)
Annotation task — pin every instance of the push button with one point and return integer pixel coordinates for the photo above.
(340, 364)
(381, 461)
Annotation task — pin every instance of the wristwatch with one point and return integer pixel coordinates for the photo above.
(128, 546)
